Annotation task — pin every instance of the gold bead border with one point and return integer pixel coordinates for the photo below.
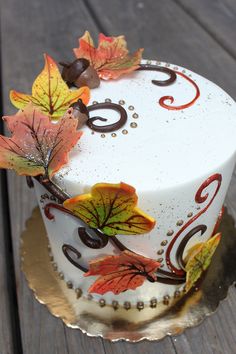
(115, 304)
(169, 233)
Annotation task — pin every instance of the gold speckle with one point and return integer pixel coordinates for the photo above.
(108, 100)
(153, 303)
(95, 102)
(161, 251)
(54, 265)
(166, 299)
(160, 260)
(127, 305)
(131, 108)
(113, 135)
(179, 222)
(115, 305)
(164, 243)
(135, 115)
(176, 68)
(167, 65)
(69, 284)
(140, 305)
(121, 102)
(124, 131)
(170, 232)
(103, 135)
(102, 302)
(133, 125)
(78, 292)
(61, 275)
(177, 293)
(190, 214)
(149, 62)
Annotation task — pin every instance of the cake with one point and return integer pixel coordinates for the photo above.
(130, 166)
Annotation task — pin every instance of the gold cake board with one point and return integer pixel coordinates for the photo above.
(130, 325)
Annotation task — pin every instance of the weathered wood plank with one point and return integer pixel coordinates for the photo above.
(168, 33)
(6, 330)
(8, 310)
(29, 30)
(217, 17)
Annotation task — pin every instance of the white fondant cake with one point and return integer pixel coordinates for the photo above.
(180, 162)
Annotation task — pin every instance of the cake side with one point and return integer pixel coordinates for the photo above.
(182, 188)
(174, 211)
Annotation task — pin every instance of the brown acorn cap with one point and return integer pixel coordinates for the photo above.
(71, 71)
(89, 77)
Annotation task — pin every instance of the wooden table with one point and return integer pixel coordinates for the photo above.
(197, 34)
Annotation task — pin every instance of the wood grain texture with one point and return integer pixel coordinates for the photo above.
(6, 331)
(217, 17)
(167, 33)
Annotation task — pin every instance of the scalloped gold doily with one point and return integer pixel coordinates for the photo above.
(132, 325)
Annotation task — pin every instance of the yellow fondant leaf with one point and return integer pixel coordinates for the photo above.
(49, 92)
(199, 258)
(112, 209)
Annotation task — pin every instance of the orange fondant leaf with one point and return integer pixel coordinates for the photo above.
(37, 146)
(112, 209)
(199, 258)
(49, 92)
(111, 59)
(126, 271)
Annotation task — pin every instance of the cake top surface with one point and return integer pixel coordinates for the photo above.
(158, 147)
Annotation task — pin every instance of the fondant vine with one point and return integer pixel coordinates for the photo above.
(109, 127)
(170, 72)
(99, 240)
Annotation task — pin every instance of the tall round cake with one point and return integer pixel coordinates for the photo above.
(130, 178)
(178, 158)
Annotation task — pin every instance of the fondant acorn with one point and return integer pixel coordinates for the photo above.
(80, 73)
(80, 112)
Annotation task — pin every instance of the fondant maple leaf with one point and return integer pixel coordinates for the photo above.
(199, 258)
(49, 92)
(112, 209)
(125, 271)
(111, 59)
(37, 146)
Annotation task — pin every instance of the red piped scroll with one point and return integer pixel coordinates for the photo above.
(218, 221)
(162, 100)
(199, 198)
